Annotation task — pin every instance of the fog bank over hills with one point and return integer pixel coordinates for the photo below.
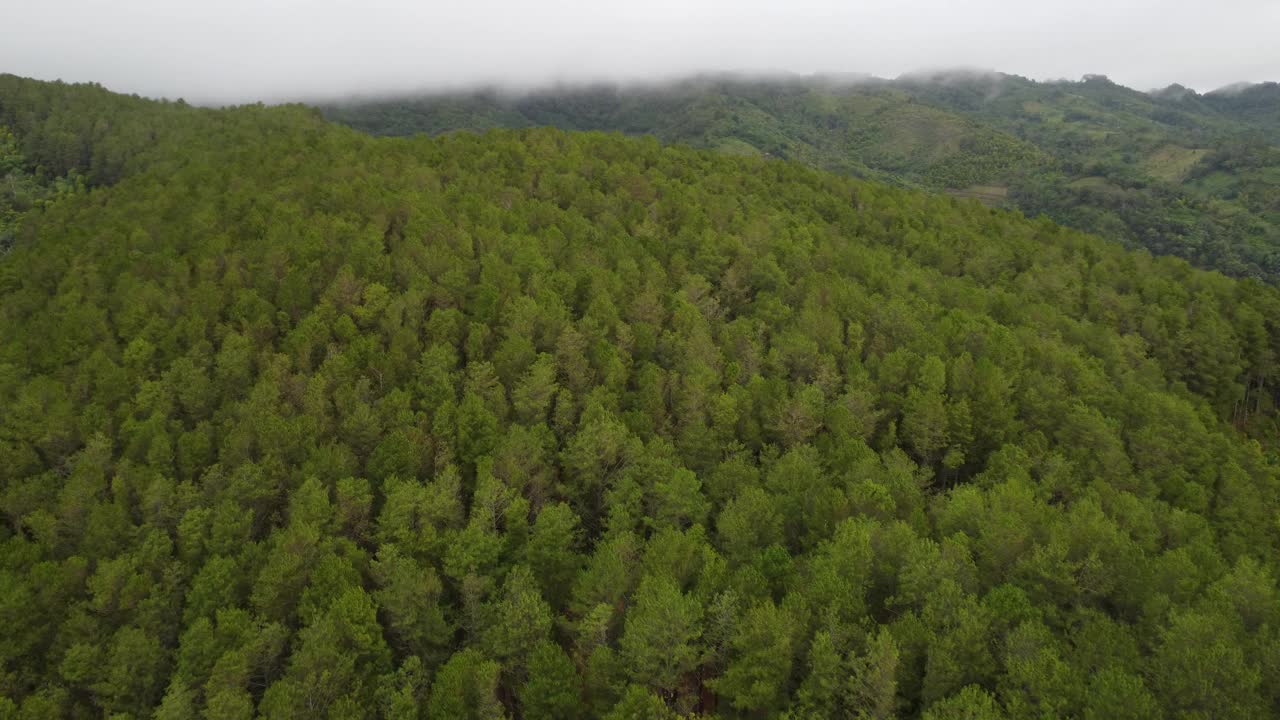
(274, 50)
(994, 80)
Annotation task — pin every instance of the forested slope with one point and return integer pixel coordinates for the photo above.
(297, 422)
(1257, 104)
(1175, 172)
(867, 129)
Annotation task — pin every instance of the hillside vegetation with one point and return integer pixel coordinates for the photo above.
(296, 422)
(1175, 172)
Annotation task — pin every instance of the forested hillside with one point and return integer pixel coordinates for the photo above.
(296, 422)
(24, 187)
(1175, 172)
(1256, 104)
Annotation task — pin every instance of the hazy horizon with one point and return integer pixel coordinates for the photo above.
(516, 90)
(282, 50)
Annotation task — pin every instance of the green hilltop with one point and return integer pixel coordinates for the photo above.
(297, 422)
(1172, 171)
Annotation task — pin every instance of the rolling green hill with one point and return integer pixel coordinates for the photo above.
(1258, 105)
(296, 422)
(838, 126)
(1173, 171)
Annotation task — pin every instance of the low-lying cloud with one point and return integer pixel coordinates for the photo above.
(272, 50)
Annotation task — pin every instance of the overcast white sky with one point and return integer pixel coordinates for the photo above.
(248, 50)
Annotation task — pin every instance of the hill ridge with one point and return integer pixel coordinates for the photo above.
(535, 423)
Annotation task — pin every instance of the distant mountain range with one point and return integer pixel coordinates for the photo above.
(1172, 170)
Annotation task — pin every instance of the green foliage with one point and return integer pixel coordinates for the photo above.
(1171, 171)
(466, 688)
(551, 692)
(661, 641)
(23, 189)
(296, 422)
(971, 703)
(760, 671)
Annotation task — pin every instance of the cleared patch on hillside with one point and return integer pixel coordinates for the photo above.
(1035, 107)
(1172, 163)
(734, 146)
(992, 195)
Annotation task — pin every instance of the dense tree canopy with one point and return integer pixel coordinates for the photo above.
(1172, 171)
(297, 422)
